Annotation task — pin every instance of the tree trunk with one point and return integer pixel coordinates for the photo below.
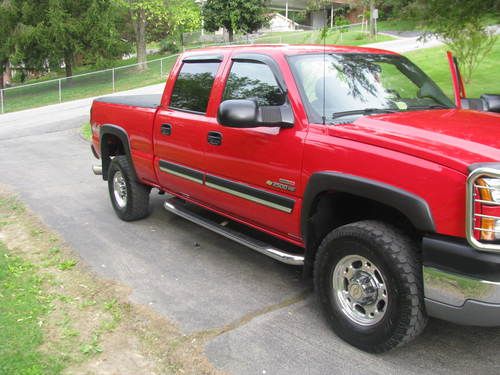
(140, 34)
(68, 64)
(1, 78)
(7, 74)
(230, 34)
(372, 20)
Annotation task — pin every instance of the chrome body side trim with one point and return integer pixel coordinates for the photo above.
(248, 197)
(454, 289)
(181, 171)
(259, 246)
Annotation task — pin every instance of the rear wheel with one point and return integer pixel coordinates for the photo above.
(129, 198)
(369, 282)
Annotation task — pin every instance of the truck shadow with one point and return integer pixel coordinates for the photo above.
(442, 348)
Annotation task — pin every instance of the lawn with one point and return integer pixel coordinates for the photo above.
(85, 86)
(58, 317)
(353, 37)
(23, 306)
(485, 80)
(86, 131)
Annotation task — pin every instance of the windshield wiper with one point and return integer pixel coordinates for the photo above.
(365, 111)
(431, 106)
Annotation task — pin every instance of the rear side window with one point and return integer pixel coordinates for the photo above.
(193, 86)
(253, 80)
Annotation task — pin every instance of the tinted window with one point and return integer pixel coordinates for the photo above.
(193, 86)
(338, 83)
(249, 80)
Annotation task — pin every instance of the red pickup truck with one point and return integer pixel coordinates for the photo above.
(348, 161)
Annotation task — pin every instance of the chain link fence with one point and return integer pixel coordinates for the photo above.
(85, 85)
(133, 76)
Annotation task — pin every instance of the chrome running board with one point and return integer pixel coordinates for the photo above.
(173, 206)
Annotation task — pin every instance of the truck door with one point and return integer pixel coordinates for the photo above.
(254, 173)
(181, 127)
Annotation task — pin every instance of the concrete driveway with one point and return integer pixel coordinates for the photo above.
(198, 279)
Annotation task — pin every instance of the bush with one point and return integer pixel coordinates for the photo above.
(167, 45)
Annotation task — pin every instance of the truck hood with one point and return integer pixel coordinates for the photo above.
(453, 138)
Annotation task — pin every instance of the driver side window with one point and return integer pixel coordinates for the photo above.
(253, 80)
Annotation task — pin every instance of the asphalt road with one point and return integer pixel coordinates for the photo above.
(199, 279)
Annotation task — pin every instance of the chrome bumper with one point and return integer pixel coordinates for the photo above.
(461, 284)
(461, 299)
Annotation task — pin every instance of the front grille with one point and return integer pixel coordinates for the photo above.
(482, 214)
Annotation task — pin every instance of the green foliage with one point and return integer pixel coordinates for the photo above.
(22, 308)
(434, 63)
(168, 45)
(318, 4)
(471, 46)
(65, 31)
(67, 265)
(235, 15)
(8, 17)
(86, 131)
(461, 24)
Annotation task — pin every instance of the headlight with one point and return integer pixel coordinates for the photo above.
(490, 189)
(483, 208)
(489, 192)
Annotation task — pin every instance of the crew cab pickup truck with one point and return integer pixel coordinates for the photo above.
(350, 162)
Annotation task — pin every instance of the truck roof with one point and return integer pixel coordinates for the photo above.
(287, 49)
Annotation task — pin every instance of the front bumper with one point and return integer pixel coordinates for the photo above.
(461, 285)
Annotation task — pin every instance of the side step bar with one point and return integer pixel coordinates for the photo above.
(174, 207)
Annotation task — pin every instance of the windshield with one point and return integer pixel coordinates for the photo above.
(339, 85)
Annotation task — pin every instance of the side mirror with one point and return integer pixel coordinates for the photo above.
(242, 113)
(492, 102)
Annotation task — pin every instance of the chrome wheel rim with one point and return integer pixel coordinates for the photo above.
(360, 290)
(120, 189)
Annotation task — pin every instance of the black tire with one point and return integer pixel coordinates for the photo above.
(395, 256)
(137, 195)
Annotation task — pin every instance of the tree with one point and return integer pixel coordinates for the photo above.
(7, 29)
(52, 32)
(461, 24)
(235, 15)
(83, 27)
(182, 16)
(142, 13)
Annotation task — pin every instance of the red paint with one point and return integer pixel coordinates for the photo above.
(456, 78)
(423, 152)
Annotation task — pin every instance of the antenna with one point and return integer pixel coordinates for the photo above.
(324, 35)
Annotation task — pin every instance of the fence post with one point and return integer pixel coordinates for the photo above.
(60, 93)
(1, 101)
(161, 68)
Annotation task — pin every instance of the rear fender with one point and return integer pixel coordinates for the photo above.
(121, 134)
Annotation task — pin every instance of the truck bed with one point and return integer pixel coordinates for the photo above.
(145, 101)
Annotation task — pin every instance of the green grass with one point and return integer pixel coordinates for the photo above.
(397, 25)
(85, 86)
(22, 307)
(353, 38)
(485, 80)
(86, 131)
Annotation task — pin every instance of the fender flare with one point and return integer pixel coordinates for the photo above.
(410, 205)
(119, 132)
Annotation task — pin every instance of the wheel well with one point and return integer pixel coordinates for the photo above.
(111, 145)
(331, 210)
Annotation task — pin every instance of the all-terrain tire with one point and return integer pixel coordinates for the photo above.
(131, 200)
(396, 258)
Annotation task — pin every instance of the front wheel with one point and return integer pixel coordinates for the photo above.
(130, 199)
(369, 282)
